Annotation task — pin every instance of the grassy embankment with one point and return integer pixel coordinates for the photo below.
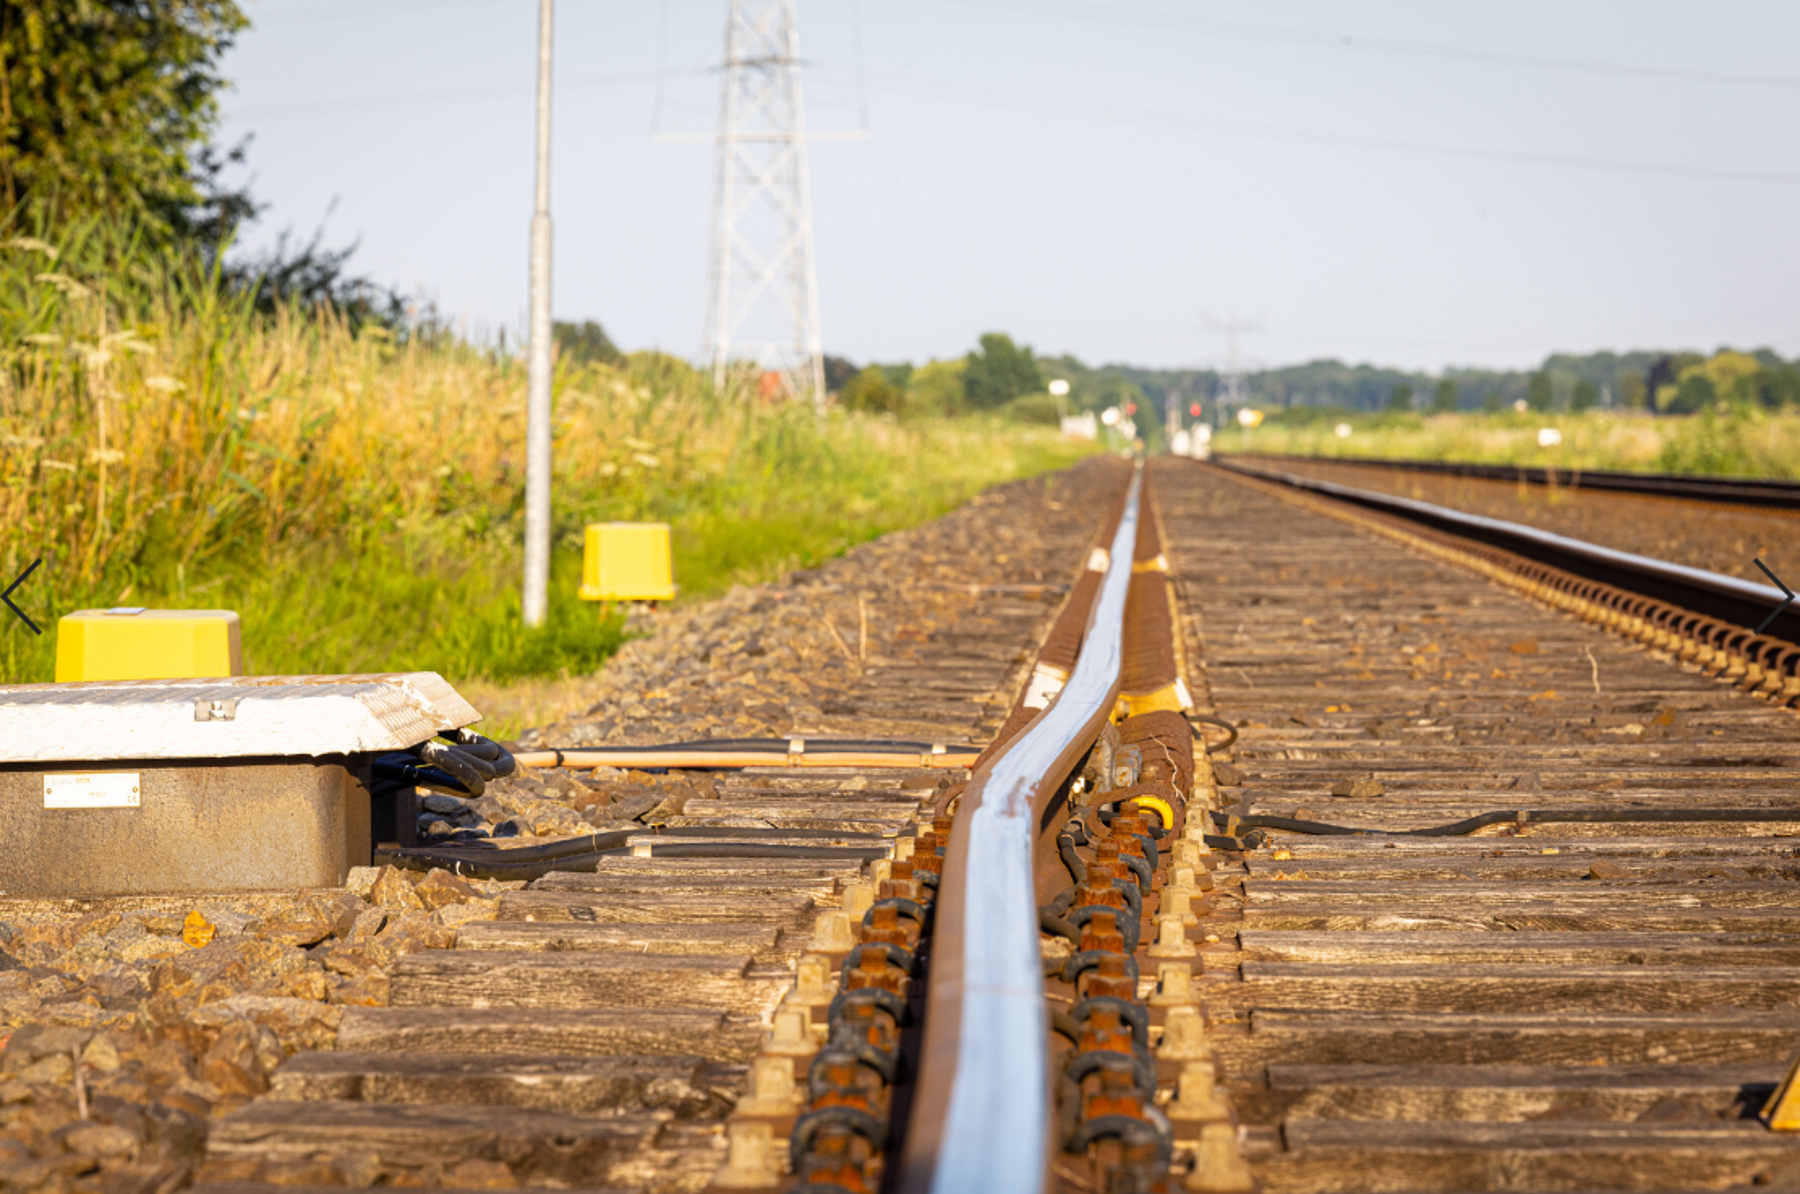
(1742, 442)
(358, 498)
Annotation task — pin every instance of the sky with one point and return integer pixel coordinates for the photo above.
(1406, 183)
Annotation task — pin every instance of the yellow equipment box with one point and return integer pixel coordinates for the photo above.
(133, 643)
(626, 561)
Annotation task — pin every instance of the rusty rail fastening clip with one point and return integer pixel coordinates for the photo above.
(838, 1143)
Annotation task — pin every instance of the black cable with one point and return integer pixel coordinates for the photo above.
(472, 773)
(1208, 719)
(1065, 846)
(1524, 816)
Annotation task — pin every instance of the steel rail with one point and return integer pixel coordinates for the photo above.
(1714, 594)
(1773, 493)
(981, 1120)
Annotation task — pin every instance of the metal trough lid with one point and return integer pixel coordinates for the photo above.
(236, 717)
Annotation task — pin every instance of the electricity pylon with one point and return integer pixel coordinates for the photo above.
(763, 298)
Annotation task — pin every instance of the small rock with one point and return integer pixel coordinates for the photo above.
(1360, 788)
(366, 925)
(1525, 646)
(488, 809)
(36, 1041)
(1304, 814)
(1607, 870)
(197, 931)
(438, 802)
(58, 1069)
(360, 1170)
(392, 891)
(631, 807)
(149, 949)
(100, 1055)
(164, 925)
(477, 1174)
(505, 829)
(228, 920)
(547, 819)
(360, 880)
(7, 932)
(86, 1138)
(301, 926)
(1227, 776)
(440, 888)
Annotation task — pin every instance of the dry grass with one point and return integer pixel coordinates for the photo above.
(357, 495)
(1741, 441)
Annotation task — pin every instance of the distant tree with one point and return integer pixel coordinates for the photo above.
(1664, 375)
(1401, 398)
(1538, 393)
(936, 387)
(871, 391)
(1779, 387)
(106, 106)
(585, 343)
(1034, 408)
(1444, 397)
(1695, 392)
(1634, 392)
(838, 372)
(1585, 397)
(998, 372)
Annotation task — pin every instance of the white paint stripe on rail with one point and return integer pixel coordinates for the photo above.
(996, 1133)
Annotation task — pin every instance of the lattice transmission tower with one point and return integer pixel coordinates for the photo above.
(763, 297)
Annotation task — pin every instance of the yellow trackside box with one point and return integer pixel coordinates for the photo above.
(626, 561)
(132, 643)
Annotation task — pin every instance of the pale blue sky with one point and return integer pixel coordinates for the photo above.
(1414, 183)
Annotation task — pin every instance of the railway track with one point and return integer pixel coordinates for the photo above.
(1532, 1006)
(1130, 950)
(1760, 492)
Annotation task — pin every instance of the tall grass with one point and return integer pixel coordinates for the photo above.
(1740, 441)
(357, 494)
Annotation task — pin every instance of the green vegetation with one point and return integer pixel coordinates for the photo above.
(356, 492)
(998, 372)
(1743, 441)
(105, 107)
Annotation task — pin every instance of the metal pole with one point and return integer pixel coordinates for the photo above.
(537, 424)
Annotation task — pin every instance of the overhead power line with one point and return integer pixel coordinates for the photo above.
(1142, 18)
(421, 99)
(1086, 108)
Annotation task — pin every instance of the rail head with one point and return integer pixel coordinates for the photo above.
(1713, 593)
(981, 1122)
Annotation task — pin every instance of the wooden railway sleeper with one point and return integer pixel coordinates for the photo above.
(838, 1123)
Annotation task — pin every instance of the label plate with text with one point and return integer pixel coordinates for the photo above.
(95, 789)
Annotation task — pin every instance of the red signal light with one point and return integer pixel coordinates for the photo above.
(1194, 411)
(1131, 408)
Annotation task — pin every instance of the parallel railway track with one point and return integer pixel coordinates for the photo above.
(1107, 958)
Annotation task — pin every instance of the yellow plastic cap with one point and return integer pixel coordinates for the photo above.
(626, 561)
(131, 643)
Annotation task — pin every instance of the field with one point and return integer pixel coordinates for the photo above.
(1739, 442)
(357, 495)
